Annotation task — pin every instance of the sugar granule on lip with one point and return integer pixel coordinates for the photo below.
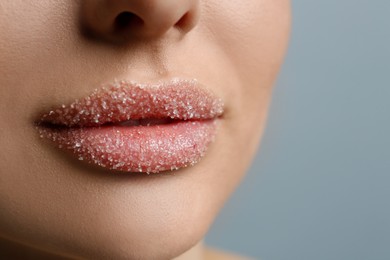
(123, 101)
(126, 149)
(137, 128)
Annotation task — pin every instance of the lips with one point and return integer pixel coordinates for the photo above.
(133, 127)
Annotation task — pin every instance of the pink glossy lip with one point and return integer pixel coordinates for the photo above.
(133, 127)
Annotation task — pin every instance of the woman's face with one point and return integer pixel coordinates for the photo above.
(54, 52)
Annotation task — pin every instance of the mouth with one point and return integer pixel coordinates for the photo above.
(131, 127)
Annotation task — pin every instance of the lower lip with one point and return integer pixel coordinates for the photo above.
(149, 149)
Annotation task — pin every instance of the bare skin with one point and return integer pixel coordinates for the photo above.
(52, 52)
(15, 251)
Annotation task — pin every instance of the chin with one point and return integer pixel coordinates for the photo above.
(158, 218)
(158, 236)
(163, 232)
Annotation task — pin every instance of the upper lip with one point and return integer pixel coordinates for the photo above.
(124, 101)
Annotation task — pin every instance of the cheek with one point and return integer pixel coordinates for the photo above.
(253, 36)
(31, 44)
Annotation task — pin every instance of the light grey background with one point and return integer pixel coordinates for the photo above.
(319, 188)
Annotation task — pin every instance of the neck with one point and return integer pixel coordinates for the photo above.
(195, 253)
(18, 251)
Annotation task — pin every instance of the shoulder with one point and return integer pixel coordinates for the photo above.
(214, 254)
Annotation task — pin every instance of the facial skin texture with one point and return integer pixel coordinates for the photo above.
(52, 52)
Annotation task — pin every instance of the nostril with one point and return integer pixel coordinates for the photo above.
(183, 21)
(187, 21)
(127, 19)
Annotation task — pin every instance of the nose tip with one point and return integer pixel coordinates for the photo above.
(134, 19)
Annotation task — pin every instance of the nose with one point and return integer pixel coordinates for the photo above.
(119, 20)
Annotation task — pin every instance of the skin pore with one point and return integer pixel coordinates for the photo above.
(52, 52)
